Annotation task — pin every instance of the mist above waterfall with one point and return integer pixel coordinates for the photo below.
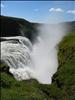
(38, 61)
(45, 51)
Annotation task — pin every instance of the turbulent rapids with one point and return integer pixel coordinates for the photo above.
(16, 53)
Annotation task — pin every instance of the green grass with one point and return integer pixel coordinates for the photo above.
(62, 87)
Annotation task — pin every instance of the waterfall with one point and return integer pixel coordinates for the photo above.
(38, 61)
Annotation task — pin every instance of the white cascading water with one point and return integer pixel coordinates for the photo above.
(38, 61)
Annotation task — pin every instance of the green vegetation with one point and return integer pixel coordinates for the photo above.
(62, 87)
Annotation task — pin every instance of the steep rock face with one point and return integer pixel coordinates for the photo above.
(11, 26)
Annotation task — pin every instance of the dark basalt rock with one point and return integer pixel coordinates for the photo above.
(11, 26)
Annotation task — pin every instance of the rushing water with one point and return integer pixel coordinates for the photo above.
(38, 61)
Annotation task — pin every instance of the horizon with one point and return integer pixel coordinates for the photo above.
(40, 11)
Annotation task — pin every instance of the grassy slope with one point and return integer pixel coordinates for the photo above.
(62, 88)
